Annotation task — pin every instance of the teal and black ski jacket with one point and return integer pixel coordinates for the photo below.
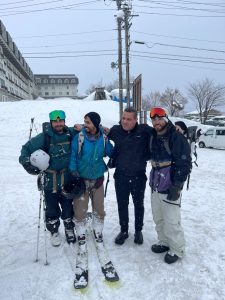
(58, 146)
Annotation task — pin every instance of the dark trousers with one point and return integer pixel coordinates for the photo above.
(57, 206)
(134, 185)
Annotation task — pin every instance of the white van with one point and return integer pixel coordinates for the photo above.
(213, 137)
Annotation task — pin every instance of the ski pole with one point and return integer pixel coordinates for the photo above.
(38, 231)
(44, 216)
(45, 231)
(31, 127)
(107, 182)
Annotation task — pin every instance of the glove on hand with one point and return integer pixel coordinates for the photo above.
(174, 191)
(31, 169)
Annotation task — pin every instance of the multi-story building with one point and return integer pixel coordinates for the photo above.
(16, 77)
(56, 85)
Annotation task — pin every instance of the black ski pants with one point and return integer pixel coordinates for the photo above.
(57, 206)
(124, 186)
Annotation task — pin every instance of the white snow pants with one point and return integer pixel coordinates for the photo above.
(167, 218)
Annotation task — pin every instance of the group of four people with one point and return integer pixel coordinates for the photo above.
(79, 153)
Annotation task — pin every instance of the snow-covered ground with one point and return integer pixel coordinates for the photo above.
(143, 274)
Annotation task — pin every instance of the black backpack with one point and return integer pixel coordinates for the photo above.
(192, 134)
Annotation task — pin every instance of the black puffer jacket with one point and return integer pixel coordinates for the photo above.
(171, 147)
(131, 149)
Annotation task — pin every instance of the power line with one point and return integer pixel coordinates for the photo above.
(105, 50)
(193, 48)
(176, 15)
(174, 64)
(35, 4)
(70, 56)
(10, 3)
(179, 59)
(221, 4)
(62, 34)
(59, 45)
(133, 51)
(69, 7)
(179, 46)
(175, 7)
(79, 51)
(178, 37)
(179, 55)
(87, 54)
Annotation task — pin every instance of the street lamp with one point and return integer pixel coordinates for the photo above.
(144, 43)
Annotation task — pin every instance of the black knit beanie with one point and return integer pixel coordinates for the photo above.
(95, 119)
(182, 126)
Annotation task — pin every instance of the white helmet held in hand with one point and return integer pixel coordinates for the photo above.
(40, 159)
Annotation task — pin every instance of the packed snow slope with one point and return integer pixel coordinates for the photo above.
(143, 274)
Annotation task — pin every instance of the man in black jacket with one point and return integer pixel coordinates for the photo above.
(171, 164)
(130, 155)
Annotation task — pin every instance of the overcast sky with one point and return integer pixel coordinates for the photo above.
(86, 31)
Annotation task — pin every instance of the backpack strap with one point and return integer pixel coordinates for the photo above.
(47, 138)
(80, 142)
(47, 142)
(166, 145)
(105, 140)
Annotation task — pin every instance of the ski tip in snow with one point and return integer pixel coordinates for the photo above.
(110, 273)
(81, 279)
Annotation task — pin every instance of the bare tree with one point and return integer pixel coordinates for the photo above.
(151, 100)
(115, 84)
(92, 87)
(207, 96)
(173, 101)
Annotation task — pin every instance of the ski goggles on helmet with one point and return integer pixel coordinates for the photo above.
(157, 112)
(57, 114)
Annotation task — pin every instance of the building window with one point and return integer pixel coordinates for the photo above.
(72, 80)
(53, 87)
(52, 80)
(67, 93)
(45, 80)
(59, 81)
(53, 93)
(46, 93)
(66, 81)
(60, 93)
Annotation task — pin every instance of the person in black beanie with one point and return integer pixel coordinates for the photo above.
(182, 128)
(95, 119)
(87, 162)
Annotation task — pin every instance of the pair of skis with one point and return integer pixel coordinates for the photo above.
(81, 271)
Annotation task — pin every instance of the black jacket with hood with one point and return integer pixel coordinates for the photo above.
(171, 147)
(131, 149)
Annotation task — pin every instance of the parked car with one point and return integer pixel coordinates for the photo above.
(213, 138)
(216, 121)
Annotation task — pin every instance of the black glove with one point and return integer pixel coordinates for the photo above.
(174, 191)
(31, 169)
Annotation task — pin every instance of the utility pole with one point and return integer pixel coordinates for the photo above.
(119, 28)
(127, 25)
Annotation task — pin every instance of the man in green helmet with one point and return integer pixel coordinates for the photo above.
(56, 141)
